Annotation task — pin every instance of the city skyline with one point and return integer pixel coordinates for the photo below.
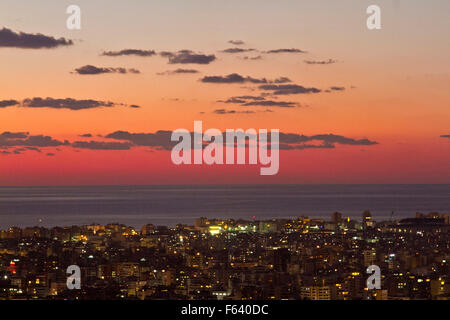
(217, 259)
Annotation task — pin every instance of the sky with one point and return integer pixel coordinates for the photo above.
(96, 106)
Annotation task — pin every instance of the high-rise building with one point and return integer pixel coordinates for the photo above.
(367, 220)
(281, 258)
(315, 293)
(370, 257)
(336, 217)
(147, 229)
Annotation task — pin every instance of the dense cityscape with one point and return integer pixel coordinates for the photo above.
(301, 259)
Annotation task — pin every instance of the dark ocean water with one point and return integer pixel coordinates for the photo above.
(169, 205)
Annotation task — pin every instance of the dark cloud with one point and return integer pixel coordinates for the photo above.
(8, 103)
(101, 145)
(50, 154)
(68, 103)
(270, 103)
(232, 78)
(284, 146)
(158, 139)
(21, 142)
(236, 100)
(282, 80)
(337, 88)
(40, 141)
(293, 138)
(237, 42)
(286, 51)
(237, 78)
(22, 139)
(130, 52)
(166, 54)
(329, 139)
(288, 141)
(288, 89)
(90, 69)
(332, 138)
(251, 101)
(237, 50)
(252, 58)
(14, 135)
(188, 57)
(257, 98)
(33, 149)
(241, 99)
(178, 71)
(179, 57)
(224, 111)
(21, 150)
(445, 136)
(86, 135)
(11, 39)
(321, 62)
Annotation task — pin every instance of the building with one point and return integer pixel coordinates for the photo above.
(315, 293)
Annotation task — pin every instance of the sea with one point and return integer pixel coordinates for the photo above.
(182, 204)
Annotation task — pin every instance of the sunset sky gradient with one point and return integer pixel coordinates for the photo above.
(395, 88)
